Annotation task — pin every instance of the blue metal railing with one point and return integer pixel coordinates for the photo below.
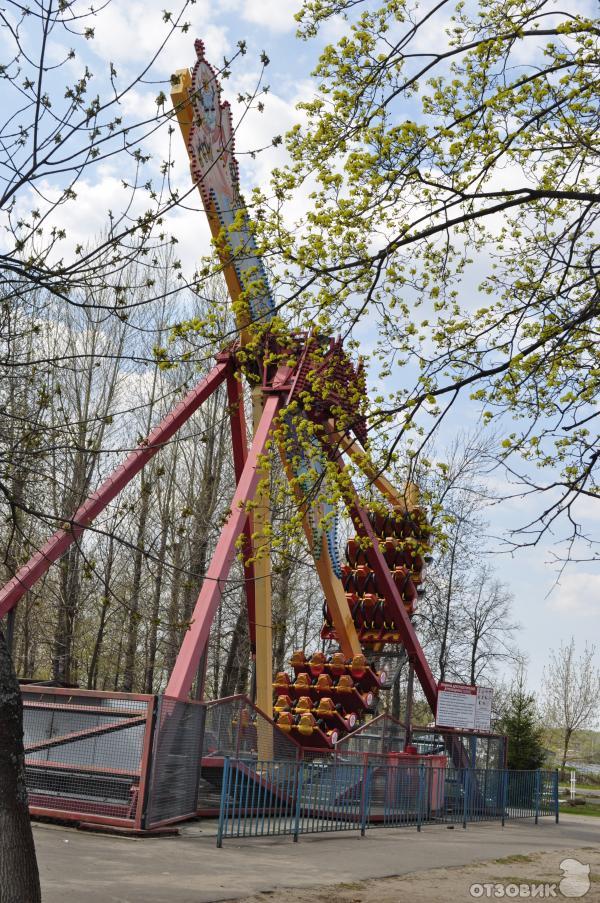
(306, 797)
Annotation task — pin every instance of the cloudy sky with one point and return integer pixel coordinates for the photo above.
(126, 34)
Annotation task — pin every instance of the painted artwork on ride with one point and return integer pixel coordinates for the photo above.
(211, 147)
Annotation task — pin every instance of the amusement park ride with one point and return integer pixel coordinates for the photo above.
(295, 380)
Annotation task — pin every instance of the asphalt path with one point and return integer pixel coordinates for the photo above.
(80, 867)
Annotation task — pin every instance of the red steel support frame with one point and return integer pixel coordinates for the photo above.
(39, 563)
(239, 443)
(195, 640)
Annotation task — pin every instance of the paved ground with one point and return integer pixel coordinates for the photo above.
(542, 875)
(78, 867)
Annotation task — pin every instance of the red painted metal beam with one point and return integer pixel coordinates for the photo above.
(388, 588)
(85, 734)
(196, 637)
(240, 453)
(55, 548)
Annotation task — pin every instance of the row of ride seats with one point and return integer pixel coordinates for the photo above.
(325, 696)
(403, 541)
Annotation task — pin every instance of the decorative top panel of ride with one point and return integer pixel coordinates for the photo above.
(211, 147)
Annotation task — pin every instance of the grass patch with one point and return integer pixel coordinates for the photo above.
(579, 786)
(517, 857)
(589, 809)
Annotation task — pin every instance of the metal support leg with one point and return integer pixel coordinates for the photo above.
(264, 612)
(197, 636)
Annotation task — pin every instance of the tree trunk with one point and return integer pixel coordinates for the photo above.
(280, 621)
(395, 707)
(134, 601)
(173, 616)
(233, 669)
(19, 877)
(93, 669)
(155, 613)
(62, 664)
(567, 742)
(443, 656)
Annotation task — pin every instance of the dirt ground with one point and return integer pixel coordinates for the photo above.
(453, 884)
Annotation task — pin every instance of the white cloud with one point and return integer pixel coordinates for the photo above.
(119, 37)
(276, 15)
(577, 594)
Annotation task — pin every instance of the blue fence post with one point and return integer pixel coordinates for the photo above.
(504, 794)
(556, 803)
(224, 794)
(299, 785)
(537, 795)
(365, 801)
(421, 795)
(465, 796)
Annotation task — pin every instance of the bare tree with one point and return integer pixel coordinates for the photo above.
(571, 691)
(489, 629)
(465, 615)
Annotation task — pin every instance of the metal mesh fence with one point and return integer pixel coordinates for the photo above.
(85, 753)
(382, 734)
(176, 759)
(318, 795)
(236, 728)
(385, 734)
(289, 797)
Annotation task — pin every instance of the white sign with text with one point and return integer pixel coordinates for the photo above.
(464, 706)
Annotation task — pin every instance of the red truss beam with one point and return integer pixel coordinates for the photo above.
(89, 733)
(39, 563)
(195, 639)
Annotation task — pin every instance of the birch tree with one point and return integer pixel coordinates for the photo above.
(571, 692)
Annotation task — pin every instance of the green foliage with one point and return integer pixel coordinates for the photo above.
(472, 164)
(522, 726)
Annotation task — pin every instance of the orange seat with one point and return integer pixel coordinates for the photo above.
(302, 682)
(283, 704)
(326, 707)
(284, 721)
(324, 683)
(358, 666)
(316, 664)
(282, 681)
(306, 724)
(298, 659)
(337, 664)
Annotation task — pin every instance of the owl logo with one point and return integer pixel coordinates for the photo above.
(576, 881)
